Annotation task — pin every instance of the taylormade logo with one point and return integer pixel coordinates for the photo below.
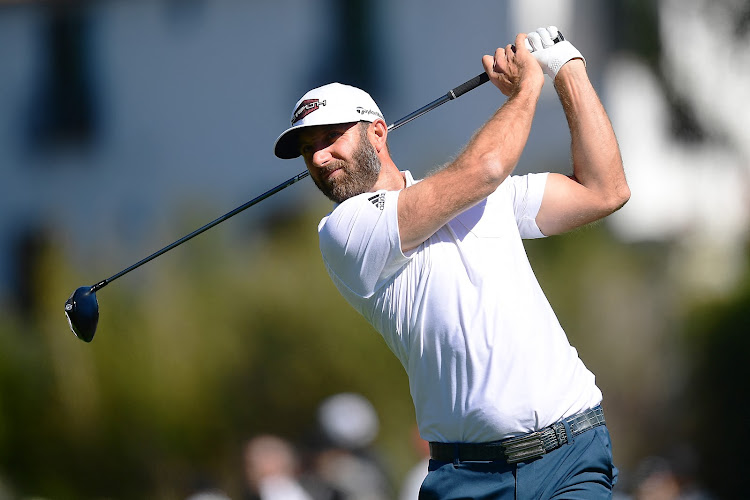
(363, 111)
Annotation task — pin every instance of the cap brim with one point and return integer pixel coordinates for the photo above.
(287, 145)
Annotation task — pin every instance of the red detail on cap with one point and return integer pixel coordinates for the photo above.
(305, 108)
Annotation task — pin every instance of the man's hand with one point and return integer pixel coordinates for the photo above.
(551, 56)
(513, 67)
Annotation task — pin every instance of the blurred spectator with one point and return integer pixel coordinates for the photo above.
(655, 480)
(349, 425)
(208, 495)
(672, 478)
(272, 472)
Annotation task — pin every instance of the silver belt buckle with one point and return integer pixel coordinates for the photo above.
(524, 447)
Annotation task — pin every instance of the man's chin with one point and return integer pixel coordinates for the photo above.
(340, 190)
(340, 197)
(333, 194)
(341, 194)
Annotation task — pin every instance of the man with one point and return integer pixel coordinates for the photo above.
(439, 269)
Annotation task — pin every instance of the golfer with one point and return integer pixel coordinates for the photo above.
(437, 266)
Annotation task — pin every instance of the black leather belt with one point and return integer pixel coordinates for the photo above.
(521, 448)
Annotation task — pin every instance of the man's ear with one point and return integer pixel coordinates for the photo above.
(378, 133)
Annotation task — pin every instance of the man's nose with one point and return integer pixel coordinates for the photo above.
(321, 156)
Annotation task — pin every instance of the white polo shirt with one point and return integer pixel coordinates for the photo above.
(485, 354)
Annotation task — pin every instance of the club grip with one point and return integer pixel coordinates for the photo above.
(469, 85)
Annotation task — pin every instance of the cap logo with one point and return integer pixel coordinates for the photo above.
(363, 111)
(305, 108)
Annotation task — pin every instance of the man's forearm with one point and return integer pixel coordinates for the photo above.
(597, 163)
(501, 140)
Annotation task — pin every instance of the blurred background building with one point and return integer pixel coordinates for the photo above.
(125, 125)
(116, 113)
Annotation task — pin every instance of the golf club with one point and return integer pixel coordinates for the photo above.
(82, 308)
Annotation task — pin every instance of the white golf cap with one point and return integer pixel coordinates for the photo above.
(327, 105)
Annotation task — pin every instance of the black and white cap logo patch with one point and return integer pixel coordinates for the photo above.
(305, 108)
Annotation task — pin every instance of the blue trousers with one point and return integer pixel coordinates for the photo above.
(581, 469)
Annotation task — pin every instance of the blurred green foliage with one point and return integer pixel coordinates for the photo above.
(193, 356)
(219, 342)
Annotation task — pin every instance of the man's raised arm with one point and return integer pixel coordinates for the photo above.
(487, 160)
(598, 186)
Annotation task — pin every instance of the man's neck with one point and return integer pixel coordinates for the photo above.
(390, 178)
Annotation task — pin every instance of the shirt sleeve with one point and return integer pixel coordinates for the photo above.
(360, 241)
(528, 191)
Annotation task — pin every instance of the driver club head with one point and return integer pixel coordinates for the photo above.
(82, 311)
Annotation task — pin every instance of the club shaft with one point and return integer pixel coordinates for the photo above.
(204, 228)
(452, 94)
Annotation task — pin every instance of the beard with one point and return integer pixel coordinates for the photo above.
(355, 177)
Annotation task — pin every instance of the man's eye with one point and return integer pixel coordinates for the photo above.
(305, 148)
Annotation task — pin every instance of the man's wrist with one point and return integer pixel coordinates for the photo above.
(529, 87)
(575, 68)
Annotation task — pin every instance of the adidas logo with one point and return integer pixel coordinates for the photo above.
(378, 200)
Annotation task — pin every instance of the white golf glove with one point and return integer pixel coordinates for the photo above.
(551, 50)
